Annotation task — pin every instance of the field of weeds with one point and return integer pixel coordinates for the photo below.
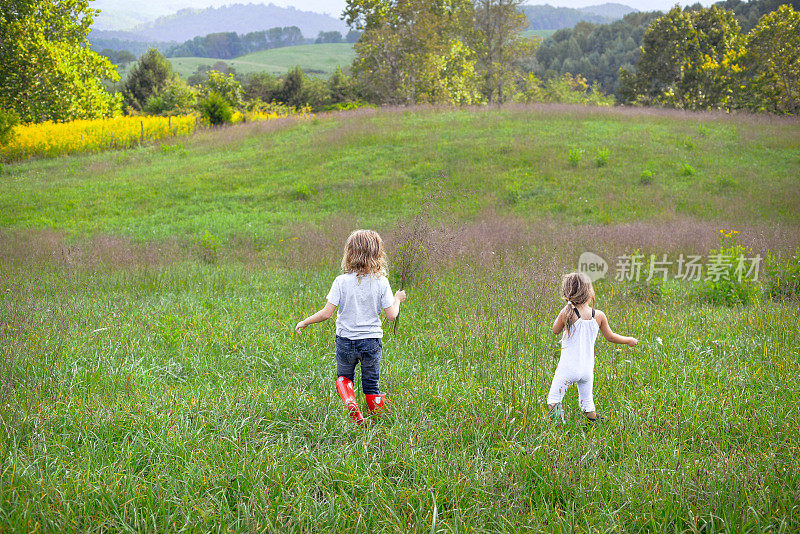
(150, 378)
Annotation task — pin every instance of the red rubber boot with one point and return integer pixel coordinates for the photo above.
(344, 388)
(376, 403)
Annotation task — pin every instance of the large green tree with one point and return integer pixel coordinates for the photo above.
(148, 77)
(499, 46)
(688, 60)
(414, 51)
(773, 60)
(48, 70)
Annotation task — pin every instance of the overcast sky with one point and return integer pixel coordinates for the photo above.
(335, 7)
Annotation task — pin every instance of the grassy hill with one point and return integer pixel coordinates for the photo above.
(541, 34)
(702, 167)
(151, 379)
(319, 59)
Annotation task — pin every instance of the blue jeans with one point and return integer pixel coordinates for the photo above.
(368, 351)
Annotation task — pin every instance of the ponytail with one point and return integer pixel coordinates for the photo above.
(576, 289)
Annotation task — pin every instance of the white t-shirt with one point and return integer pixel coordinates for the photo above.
(360, 300)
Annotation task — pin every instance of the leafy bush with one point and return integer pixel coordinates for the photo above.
(177, 98)
(728, 283)
(513, 192)
(687, 170)
(574, 157)
(8, 120)
(784, 279)
(294, 88)
(215, 109)
(148, 77)
(566, 89)
(224, 85)
(209, 245)
(646, 177)
(178, 149)
(302, 191)
(602, 157)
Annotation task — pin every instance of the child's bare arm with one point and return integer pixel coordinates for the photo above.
(611, 336)
(558, 326)
(394, 310)
(322, 315)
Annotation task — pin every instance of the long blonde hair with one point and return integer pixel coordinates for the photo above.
(576, 289)
(364, 254)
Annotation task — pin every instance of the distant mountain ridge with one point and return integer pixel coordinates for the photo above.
(118, 15)
(240, 18)
(610, 10)
(547, 17)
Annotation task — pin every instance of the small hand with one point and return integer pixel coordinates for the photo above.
(632, 342)
(300, 327)
(400, 295)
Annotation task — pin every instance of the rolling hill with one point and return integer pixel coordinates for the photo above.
(313, 59)
(547, 17)
(610, 10)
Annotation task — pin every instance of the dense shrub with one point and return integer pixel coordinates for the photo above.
(176, 99)
(729, 283)
(215, 109)
(148, 77)
(302, 191)
(261, 86)
(224, 85)
(8, 120)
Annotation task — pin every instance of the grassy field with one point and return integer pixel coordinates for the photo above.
(319, 59)
(541, 34)
(151, 381)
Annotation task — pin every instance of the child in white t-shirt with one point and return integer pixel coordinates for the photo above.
(360, 293)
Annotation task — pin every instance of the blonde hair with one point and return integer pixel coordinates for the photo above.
(576, 289)
(364, 254)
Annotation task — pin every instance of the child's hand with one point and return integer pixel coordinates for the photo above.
(300, 327)
(400, 295)
(632, 341)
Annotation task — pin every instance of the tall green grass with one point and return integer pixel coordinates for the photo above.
(177, 398)
(150, 379)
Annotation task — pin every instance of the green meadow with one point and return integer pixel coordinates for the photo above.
(541, 34)
(151, 380)
(319, 59)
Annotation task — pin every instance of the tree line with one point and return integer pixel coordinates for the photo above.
(450, 51)
(598, 51)
(546, 17)
(423, 51)
(227, 45)
(153, 88)
(700, 59)
(595, 51)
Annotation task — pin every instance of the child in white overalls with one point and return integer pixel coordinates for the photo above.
(580, 323)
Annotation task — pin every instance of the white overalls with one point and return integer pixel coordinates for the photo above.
(576, 365)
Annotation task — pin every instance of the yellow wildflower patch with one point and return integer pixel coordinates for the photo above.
(52, 139)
